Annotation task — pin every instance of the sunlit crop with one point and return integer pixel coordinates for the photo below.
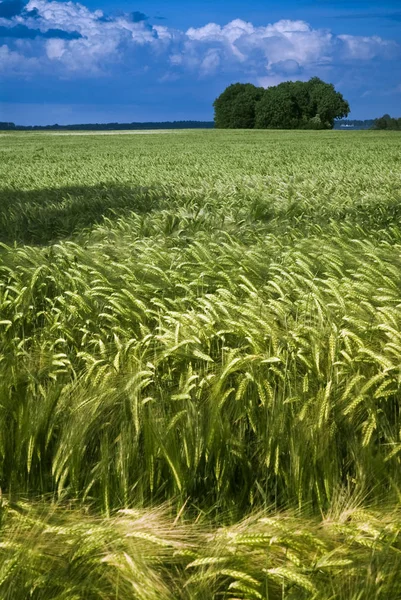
(200, 366)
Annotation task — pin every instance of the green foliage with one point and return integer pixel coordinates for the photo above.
(289, 105)
(278, 109)
(326, 102)
(388, 123)
(235, 107)
(209, 320)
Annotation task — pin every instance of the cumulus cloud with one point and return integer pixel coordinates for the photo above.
(16, 62)
(69, 39)
(55, 49)
(366, 48)
(260, 49)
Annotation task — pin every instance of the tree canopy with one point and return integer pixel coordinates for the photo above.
(387, 122)
(290, 105)
(235, 107)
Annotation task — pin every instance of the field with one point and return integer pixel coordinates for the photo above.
(200, 366)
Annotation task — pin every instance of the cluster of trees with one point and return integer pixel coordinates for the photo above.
(387, 122)
(6, 126)
(290, 105)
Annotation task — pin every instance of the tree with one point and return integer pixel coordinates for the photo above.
(387, 122)
(278, 109)
(290, 105)
(235, 107)
(326, 102)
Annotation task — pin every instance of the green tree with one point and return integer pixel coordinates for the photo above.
(290, 105)
(278, 109)
(235, 107)
(387, 122)
(326, 102)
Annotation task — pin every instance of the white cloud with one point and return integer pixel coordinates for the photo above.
(55, 49)
(265, 54)
(278, 51)
(213, 32)
(366, 48)
(16, 63)
(211, 62)
(284, 40)
(69, 16)
(103, 41)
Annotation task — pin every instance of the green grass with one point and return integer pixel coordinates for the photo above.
(203, 331)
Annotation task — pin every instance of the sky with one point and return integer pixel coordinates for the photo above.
(100, 61)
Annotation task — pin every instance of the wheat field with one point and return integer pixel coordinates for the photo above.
(200, 366)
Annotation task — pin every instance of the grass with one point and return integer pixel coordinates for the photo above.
(200, 366)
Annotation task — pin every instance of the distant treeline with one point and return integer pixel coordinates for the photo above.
(387, 122)
(383, 123)
(110, 126)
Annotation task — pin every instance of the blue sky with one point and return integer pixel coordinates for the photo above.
(123, 61)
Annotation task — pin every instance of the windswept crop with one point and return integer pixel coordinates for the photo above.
(208, 322)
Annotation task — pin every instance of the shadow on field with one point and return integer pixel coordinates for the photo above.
(43, 216)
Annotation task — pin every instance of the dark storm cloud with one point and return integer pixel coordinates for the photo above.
(23, 32)
(11, 8)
